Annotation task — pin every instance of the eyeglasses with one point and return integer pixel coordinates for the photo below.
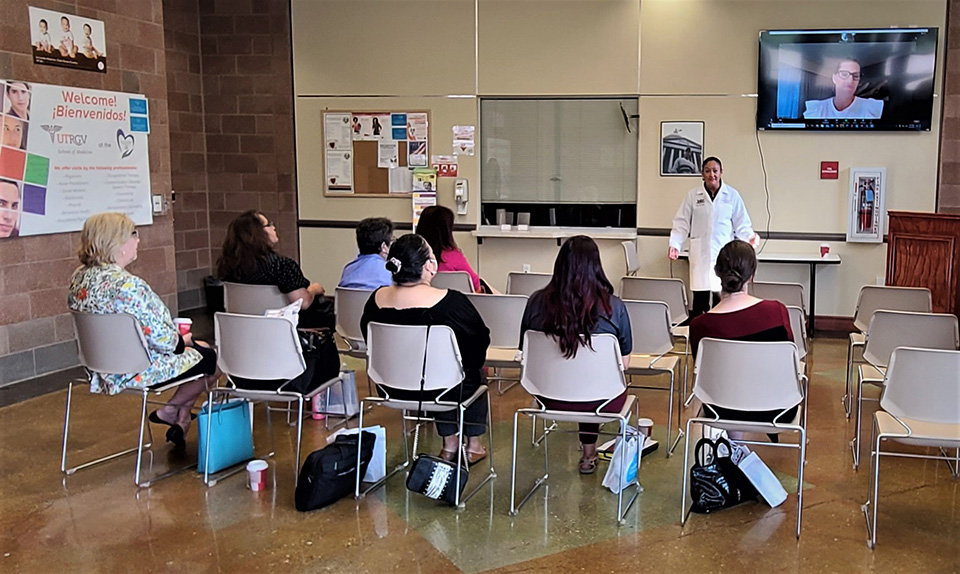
(269, 224)
(845, 75)
(136, 234)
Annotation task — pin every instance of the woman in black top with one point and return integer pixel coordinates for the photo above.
(248, 257)
(412, 301)
(579, 302)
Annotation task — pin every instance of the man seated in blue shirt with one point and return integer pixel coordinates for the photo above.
(368, 270)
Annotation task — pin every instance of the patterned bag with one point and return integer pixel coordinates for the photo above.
(715, 481)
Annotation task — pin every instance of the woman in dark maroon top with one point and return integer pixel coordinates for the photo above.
(741, 317)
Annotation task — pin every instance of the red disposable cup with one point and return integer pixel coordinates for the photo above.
(824, 249)
(183, 325)
(257, 472)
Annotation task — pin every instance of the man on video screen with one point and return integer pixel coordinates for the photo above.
(844, 104)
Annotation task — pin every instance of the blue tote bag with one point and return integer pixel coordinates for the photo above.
(231, 434)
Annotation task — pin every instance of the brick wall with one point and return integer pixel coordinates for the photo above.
(36, 333)
(949, 192)
(248, 114)
(188, 162)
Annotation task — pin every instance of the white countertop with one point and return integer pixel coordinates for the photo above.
(772, 257)
(494, 231)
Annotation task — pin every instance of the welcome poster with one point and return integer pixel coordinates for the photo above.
(67, 153)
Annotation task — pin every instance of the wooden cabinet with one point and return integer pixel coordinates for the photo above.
(923, 250)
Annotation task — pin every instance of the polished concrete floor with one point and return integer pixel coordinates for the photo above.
(98, 521)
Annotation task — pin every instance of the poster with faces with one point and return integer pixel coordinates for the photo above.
(67, 41)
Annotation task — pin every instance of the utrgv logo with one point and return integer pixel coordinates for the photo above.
(51, 130)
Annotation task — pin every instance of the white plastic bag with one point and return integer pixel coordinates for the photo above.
(377, 468)
(763, 479)
(345, 401)
(630, 466)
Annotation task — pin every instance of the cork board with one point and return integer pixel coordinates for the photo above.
(354, 143)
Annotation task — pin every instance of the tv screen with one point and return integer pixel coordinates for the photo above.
(860, 80)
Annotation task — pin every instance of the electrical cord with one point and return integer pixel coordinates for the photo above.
(766, 192)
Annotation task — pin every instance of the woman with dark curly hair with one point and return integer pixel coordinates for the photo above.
(248, 257)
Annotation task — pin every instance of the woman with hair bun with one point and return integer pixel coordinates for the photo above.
(411, 300)
(741, 317)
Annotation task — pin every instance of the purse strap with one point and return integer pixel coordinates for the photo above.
(423, 371)
(698, 451)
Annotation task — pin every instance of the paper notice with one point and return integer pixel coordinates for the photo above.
(339, 171)
(417, 127)
(421, 200)
(336, 131)
(401, 180)
(388, 154)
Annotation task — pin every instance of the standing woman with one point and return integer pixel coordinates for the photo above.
(436, 226)
(579, 302)
(711, 215)
(248, 257)
(101, 285)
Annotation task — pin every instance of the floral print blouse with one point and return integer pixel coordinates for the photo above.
(109, 289)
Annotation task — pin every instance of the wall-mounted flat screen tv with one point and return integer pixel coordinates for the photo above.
(856, 80)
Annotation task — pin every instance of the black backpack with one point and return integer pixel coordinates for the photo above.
(330, 473)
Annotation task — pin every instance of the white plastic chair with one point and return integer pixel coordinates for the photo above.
(252, 299)
(547, 373)
(674, 293)
(870, 299)
(630, 256)
(348, 307)
(790, 294)
(750, 376)
(526, 283)
(263, 348)
(456, 280)
(799, 327)
(415, 358)
(889, 330)
(652, 340)
(114, 344)
(502, 315)
(920, 406)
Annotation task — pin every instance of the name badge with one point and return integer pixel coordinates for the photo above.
(701, 201)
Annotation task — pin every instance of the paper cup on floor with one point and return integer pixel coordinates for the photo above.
(645, 426)
(257, 473)
(183, 325)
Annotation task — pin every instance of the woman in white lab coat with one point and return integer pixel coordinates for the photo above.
(711, 215)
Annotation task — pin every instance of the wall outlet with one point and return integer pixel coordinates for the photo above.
(157, 204)
(525, 268)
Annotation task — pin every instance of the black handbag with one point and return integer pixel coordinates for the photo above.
(430, 475)
(434, 478)
(321, 358)
(716, 482)
(330, 473)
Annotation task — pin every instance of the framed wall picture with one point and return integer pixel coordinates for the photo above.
(681, 148)
(866, 220)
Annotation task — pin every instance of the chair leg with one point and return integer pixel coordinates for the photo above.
(801, 463)
(847, 391)
(296, 460)
(855, 442)
(206, 457)
(66, 429)
(686, 474)
(669, 418)
(356, 493)
(460, 456)
(515, 508)
(143, 423)
(873, 492)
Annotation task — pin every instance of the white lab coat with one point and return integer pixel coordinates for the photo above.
(710, 224)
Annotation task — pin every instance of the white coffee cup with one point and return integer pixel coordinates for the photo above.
(645, 426)
(257, 473)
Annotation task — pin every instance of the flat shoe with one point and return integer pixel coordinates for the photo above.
(448, 455)
(475, 457)
(588, 465)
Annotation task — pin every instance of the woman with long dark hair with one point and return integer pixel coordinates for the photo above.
(579, 302)
(436, 226)
(249, 257)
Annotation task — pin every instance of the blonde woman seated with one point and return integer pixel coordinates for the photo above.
(412, 301)
(101, 285)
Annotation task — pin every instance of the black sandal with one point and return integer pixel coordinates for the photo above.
(588, 465)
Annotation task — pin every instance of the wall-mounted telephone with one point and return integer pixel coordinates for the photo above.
(461, 195)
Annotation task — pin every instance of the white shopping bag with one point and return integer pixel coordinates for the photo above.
(629, 469)
(763, 479)
(377, 468)
(345, 401)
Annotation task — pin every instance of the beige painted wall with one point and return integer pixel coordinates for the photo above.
(683, 59)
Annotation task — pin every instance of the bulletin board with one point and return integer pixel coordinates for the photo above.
(374, 153)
